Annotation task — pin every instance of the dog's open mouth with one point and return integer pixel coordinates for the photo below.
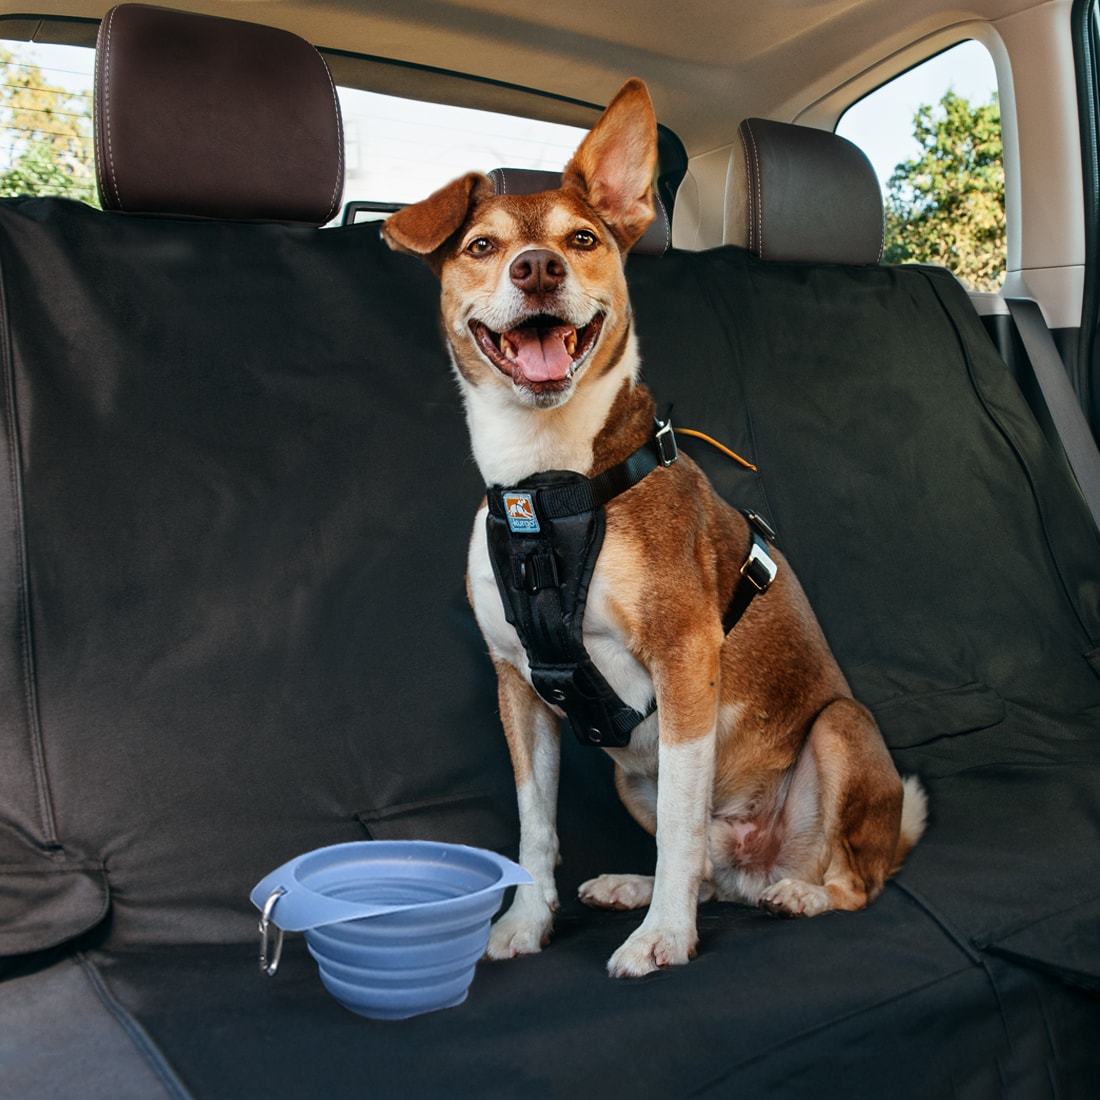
(542, 352)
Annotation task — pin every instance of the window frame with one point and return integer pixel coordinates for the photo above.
(985, 298)
(1085, 29)
(825, 111)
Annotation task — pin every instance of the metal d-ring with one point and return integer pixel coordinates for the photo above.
(268, 966)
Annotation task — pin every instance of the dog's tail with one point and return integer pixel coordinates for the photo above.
(914, 817)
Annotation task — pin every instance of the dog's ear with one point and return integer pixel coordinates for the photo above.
(613, 168)
(426, 226)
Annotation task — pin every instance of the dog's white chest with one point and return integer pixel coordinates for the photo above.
(602, 638)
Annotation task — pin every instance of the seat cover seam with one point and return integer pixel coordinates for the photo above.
(43, 797)
(724, 1076)
(144, 1045)
(1010, 440)
(717, 309)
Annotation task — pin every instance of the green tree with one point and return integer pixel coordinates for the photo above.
(947, 205)
(47, 132)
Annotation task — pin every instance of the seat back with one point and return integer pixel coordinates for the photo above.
(235, 510)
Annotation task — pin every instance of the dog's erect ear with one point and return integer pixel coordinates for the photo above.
(614, 166)
(426, 226)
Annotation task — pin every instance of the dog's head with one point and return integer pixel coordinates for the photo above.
(534, 296)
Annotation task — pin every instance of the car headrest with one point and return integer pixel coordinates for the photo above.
(805, 195)
(529, 181)
(214, 118)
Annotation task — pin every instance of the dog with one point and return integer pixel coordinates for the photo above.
(761, 777)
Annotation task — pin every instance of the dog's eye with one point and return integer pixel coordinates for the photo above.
(584, 238)
(479, 246)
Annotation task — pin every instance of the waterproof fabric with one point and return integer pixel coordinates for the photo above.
(235, 513)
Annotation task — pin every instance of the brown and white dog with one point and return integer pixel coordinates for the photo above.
(764, 781)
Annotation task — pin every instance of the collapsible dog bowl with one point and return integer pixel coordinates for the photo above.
(396, 926)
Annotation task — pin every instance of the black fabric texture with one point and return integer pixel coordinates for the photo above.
(914, 1010)
(228, 582)
(235, 518)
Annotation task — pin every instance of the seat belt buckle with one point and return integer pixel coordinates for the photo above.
(665, 439)
(759, 568)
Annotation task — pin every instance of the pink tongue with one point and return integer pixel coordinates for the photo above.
(541, 353)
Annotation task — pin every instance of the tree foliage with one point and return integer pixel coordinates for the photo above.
(947, 205)
(47, 131)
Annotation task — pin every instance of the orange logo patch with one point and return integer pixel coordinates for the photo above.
(520, 510)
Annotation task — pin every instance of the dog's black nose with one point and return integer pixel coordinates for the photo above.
(537, 271)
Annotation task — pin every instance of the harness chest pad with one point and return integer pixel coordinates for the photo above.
(544, 537)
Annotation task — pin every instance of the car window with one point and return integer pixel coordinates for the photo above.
(46, 121)
(396, 150)
(933, 135)
(399, 150)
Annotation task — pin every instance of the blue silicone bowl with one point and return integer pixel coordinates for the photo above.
(396, 926)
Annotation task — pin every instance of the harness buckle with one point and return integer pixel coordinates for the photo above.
(665, 439)
(538, 571)
(759, 568)
(760, 524)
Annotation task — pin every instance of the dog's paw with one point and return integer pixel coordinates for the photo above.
(518, 934)
(791, 898)
(650, 949)
(617, 891)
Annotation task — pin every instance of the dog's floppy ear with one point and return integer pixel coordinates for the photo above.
(614, 166)
(426, 226)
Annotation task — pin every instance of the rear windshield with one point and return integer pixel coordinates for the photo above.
(397, 150)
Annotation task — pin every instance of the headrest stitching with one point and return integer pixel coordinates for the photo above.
(111, 173)
(339, 140)
(759, 194)
(749, 188)
(668, 223)
(97, 123)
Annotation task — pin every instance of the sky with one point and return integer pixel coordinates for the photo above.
(881, 123)
(400, 150)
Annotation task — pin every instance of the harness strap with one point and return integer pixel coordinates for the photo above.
(757, 571)
(543, 569)
(574, 498)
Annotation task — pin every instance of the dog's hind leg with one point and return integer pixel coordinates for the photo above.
(627, 891)
(534, 741)
(847, 795)
(639, 796)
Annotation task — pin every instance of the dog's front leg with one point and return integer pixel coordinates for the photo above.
(686, 683)
(534, 740)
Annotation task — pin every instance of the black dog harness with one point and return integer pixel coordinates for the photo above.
(544, 537)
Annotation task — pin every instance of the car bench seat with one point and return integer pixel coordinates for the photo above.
(234, 526)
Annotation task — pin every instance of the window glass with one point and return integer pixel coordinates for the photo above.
(46, 121)
(933, 135)
(396, 150)
(399, 150)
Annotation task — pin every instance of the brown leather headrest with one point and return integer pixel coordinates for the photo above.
(214, 118)
(809, 195)
(529, 181)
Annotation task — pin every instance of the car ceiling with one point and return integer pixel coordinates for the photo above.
(771, 59)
